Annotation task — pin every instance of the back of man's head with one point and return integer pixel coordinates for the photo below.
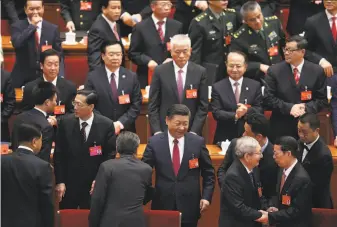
(43, 91)
(30, 135)
(127, 143)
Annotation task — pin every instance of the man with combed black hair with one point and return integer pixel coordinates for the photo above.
(84, 140)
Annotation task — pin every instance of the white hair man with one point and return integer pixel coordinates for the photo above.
(178, 82)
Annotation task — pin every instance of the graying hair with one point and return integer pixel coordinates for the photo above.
(180, 39)
(248, 7)
(127, 143)
(246, 145)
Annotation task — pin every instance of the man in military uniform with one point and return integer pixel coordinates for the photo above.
(261, 39)
(269, 7)
(211, 33)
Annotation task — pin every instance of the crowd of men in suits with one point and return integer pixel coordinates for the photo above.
(240, 53)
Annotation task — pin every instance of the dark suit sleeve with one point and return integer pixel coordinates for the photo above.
(59, 157)
(218, 113)
(88, 84)
(227, 162)
(20, 37)
(149, 190)
(132, 113)
(196, 35)
(148, 156)
(146, 12)
(257, 102)
(47, 142)
(200, 115)
(299, 203)
(233, 192)
(99, 196)
(95, 42)
(310, 36)
(65, 10)
(207, 173)
(72, 93)
(8, 104)
(320, 100)
(154, 103)
(27, 99)
(46, 198)
(110, 143)
(11, 11)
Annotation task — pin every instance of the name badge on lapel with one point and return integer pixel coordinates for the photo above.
(286, 200)
(124, 99)
(273, 51)
(306, 95)
(95, 150)
(60, 109)
(46, 47)
(193, 163)
(259, 190)
(4, 148)
(228, 40)
(191, 93)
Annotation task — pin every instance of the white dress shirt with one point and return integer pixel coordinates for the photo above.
(89, 122)
(183, 74)
(181, 143)
(163, 27)
(39, 29)
(233, 86)
(288, 171)
(330, 16)
(305, 152)
(112, 24)
(44, 113)
(108, 73)
(53, 82)
(26, 148)
(299, 68)
(248, 171)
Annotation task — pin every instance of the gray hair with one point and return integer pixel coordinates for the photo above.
(246, 145)
(127, 143)
(248, 7)
(180, 39)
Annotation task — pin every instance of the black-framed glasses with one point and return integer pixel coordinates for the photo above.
(290, 51)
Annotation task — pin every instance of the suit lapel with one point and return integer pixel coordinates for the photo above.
(171, 79)
(328, 34)
(291, 77)
(108, 28)
(154, 29)
(167, 154)
(215, 22)
(304, 76)
(43, 37)
(92, 132)
(59, 86)
(77, 133)
(105, 83)
(289, 180)
(188, 81)
(184, 165)
(244, 92)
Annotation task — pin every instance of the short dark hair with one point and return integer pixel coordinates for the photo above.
(91, 96)
(258, 123)
(127, 143)
(31, 0)
(311, 119)
(301, 42)
(28, 132)
(47, 53)
(110, 43)
(43, 91)
(178, 109)
(105, 3)
(288, 143)
(239, 53)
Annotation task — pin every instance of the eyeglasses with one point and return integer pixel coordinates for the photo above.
(290, 51)
(78, 104)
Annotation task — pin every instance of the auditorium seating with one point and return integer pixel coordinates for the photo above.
(324, 217)
(73, 218)
(162, 218)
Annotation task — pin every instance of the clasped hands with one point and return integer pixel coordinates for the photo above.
(264, 218)
(297, 110)
(240, 111)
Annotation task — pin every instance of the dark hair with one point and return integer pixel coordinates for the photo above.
(127, 143)
(301, 42)
(47, 53)
(288, 143)
(312, 119)
(43, 91)
(258, 123)
(105, 3)
(91, 96)
(37, 0)
(239, 53)
(110, 43)
(178, 109)
(27, 132)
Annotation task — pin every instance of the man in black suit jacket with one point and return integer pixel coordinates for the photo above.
(103, 29)
(315, 157)
(256, 126)
(292, 208)
(13, 10)
(150, 41)
(119, 95)
(45, 101)
(120, 202)
(180, 158)
(241, 193)
(294, 87)
(7, 99)
(30, 37)
(27, 189)
(84, 140)
(179, 81)
(234, 97)
(50, 64)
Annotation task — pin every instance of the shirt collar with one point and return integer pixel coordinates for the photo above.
(265, 145)
(53, 82)
(89, 121)
(44, 113)
(109, 72)
(26, 148)
(176, 67)
(39, 25)
(309, 145)
(248, 171)
(111, 23)
(155, 19)
(329, 15)
(217, 15)
(299, 67)
(233, 81)
(171, 138)
(288, 171)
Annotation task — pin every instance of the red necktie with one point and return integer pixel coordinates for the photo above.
(160, 30)
(113, 86)
(283, 179)
(296, 75)
(180, 85)
(176, 157)
(334, 29)
(115, 32)
(37, 41)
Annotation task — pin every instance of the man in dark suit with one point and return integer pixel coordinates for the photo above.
(103, 29)
(269, 7)
(45, 97)
(299, 11)
(260, 38)
(30, 37)
(292, 208)
(315, 157)
(234, 97)
(180, 158)
(50, 64)
(241, 193)
(256, 126)
(7, 99)
(294, 87)
(27, 188)
(211, 33)
(120, 202)
(150, 40)
(13, 10)
(84, 140)
(179, 81)
(119, 95)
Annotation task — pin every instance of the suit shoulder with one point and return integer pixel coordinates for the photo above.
(50, 25)
(220, 84)
(174, 22)
(196, 66)
(315, 18)
(68, 83)
(103, 120)
(252, 82)
(195, 138)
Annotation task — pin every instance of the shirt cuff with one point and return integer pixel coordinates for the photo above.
(321, 61)
(120, 125)
(121, 17)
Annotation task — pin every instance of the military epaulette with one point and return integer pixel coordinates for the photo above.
(201, 16)
(271, 18)
(230, 10)
(239, 32)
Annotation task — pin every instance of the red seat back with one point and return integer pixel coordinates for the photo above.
(324, 217)
(73, 218)
(162, 218)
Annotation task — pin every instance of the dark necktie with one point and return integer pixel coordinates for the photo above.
(334, 28)
(251, 176)
(160, 30)
(176, 157)
(261, 33)
(283, 179)
(83, 133)
(113, 86)
(116, 32)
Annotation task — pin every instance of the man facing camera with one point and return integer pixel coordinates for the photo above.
(180, 158)
(120, 187)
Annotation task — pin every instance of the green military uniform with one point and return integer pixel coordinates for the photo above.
(265, 48)
(211, 38)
